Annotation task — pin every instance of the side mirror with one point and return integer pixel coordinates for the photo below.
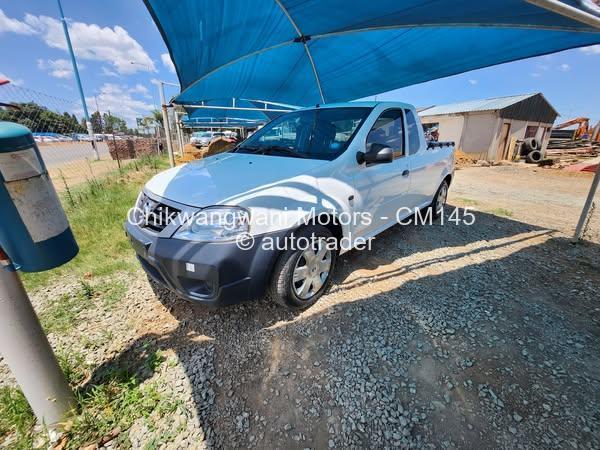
(375, 156)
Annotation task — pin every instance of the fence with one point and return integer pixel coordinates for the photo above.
(60, 132)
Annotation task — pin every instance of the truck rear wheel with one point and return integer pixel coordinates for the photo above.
(439, 200)
(303, 272)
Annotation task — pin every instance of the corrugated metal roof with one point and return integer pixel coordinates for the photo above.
(488, 104)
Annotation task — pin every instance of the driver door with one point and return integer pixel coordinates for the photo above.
(381, 188)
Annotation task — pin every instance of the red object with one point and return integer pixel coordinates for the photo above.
(3, 81)
(4, 259)
(594, 168)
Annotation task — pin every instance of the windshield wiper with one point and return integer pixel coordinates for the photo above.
(267, 150)
(279, 148)
(252, 148)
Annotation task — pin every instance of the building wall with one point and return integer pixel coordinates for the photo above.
(479, 134)
(450, 127)
(472, 132)
(518, 128)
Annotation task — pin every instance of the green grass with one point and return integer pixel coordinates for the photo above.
(468, 201)
(62, 314)
(115, 401)
(16, 419)
(501, 212)
(97, 211)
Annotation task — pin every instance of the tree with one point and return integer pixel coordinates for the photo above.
(96, 120)
(41, 120)
(157, 117)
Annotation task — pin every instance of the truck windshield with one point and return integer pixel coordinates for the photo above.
(315, 134)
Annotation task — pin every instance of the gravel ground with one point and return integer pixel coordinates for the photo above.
(453, 336)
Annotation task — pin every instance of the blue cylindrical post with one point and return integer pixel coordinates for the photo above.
(78, 79)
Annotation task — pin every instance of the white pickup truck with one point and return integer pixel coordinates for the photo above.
(274, 214)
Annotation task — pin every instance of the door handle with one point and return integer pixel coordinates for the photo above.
(405, 173)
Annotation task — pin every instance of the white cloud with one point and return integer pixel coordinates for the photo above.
(109, 73)
(535, 74)
(167, 62)
(16, 82)
(58, 68)
(564, 67)
(118, 101)
(139, 89)
(90, 41)
(13, 25)
(592, 50)
(473, 82)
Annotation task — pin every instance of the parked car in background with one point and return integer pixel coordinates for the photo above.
(203, 138)
(341, 173)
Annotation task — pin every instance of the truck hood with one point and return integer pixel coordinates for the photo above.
(220, 178)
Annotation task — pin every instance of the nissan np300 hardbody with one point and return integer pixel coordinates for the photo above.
(273, 215)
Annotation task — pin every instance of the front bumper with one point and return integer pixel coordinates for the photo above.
(211, 273)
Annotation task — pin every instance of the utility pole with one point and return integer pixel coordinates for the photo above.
(167, 127)
(78, 79)
(26, 350)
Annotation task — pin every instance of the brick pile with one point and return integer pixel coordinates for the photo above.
(121, 149)
(130, 149)
(144, 147)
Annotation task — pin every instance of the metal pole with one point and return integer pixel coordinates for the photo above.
(179, 133)
(587, 207)
(28, 354)
(163, 102)
(78, 79)
(569, 11)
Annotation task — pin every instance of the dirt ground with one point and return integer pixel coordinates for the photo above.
(75, 173)
(549, 198)
(443, 336)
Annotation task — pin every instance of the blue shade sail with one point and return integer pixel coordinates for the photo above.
(304, 52)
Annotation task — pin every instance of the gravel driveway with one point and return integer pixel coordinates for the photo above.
(454, 336)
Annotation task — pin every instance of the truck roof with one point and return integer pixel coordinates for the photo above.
(372, 104)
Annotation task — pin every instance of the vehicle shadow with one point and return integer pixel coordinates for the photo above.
(426, 306)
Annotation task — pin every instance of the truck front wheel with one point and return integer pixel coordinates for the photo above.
(303, 271)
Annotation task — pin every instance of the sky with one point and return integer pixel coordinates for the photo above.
(108, 35)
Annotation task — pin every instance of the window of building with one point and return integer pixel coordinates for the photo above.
(531, 132)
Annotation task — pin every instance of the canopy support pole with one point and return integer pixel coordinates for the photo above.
(303, 39)
(236, 108)
(586, 208)
(166, 125)
(569, 11)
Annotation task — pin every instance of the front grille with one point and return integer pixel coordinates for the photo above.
(156, 215)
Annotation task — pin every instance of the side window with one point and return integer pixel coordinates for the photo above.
(414, 143)
(388, 131)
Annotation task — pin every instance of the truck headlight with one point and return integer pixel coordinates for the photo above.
(215, 224)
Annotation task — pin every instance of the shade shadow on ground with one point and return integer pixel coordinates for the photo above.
(451, 336)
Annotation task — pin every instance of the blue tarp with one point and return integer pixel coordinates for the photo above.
(304, 52)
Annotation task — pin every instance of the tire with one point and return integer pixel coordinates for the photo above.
(534, 157)
(287, 292)
(530, 145)
(435, 207)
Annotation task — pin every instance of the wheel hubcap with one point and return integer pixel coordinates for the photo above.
(311, 271)
(441, 199)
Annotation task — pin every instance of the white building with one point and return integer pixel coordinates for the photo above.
(487, 129)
